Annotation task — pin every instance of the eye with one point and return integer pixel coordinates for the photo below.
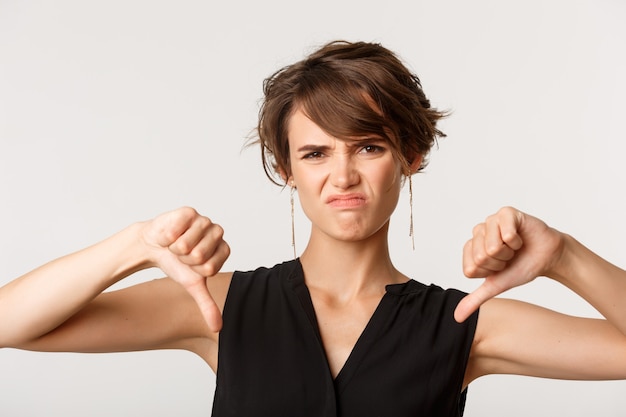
(313, 155)
(371, 149)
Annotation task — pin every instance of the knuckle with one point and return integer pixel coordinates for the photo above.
(196, 256)
(509, 236)
(204, 221)
(492, 250)
(218, 230)
(169, 237)
(187, 212)
(180, 247)
(469, 270)
(507, 211)
(480, 258)
(209, 269)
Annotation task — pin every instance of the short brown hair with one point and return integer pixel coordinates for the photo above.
(349, 90)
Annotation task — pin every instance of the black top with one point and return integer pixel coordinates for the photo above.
(409, 361)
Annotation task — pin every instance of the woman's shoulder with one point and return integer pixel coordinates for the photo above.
(421, 301)
(287, 270)
(414, 288)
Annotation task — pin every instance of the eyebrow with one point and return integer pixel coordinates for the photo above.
(353, 143)
(313, 148)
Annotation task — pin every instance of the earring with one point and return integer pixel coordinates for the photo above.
(411, 232)
(293, 226)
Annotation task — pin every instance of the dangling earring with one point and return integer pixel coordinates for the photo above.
(411, 232)
(293, 226)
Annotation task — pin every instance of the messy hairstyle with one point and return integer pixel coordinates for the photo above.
(349, 90)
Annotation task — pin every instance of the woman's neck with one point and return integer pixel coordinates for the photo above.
(349, 268)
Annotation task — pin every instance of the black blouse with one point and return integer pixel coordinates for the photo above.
(409, 361)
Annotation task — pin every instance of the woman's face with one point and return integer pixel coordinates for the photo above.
(347, 188)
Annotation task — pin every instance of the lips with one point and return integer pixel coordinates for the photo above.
(351, 200)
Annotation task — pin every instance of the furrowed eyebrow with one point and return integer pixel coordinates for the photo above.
(373, 140)
(353, 143)
(313, 148)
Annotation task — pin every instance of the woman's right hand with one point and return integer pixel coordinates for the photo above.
(189, 248)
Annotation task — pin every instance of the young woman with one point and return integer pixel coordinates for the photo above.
(338, 331)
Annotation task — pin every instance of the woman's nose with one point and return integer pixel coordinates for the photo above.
(343, 173)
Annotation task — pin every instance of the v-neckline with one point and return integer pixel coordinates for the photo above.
(363, 342)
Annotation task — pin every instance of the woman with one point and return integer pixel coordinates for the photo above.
(338, 331)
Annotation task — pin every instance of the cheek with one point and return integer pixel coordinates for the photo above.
(390, 179)
(308, 184)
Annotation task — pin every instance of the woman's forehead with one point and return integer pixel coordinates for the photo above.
(301, 125)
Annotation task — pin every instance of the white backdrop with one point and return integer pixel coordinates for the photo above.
(113, 112)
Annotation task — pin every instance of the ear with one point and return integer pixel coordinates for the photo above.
(415, 164)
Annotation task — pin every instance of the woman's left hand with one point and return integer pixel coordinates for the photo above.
(509, 249)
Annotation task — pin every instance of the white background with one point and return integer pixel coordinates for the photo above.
(115, 111)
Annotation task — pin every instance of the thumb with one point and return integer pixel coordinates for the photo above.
(211, 313)
(472, 301)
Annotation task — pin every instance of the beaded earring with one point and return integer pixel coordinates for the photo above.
(293, 226)
(411, 231)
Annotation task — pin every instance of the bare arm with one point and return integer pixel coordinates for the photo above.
(512, 248)
(58, 306)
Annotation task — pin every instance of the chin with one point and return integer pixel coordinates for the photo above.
(357, 234)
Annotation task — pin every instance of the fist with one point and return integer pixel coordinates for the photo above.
(188, 248)
(510, 248)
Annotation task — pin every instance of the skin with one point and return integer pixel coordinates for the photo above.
(349, 190)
